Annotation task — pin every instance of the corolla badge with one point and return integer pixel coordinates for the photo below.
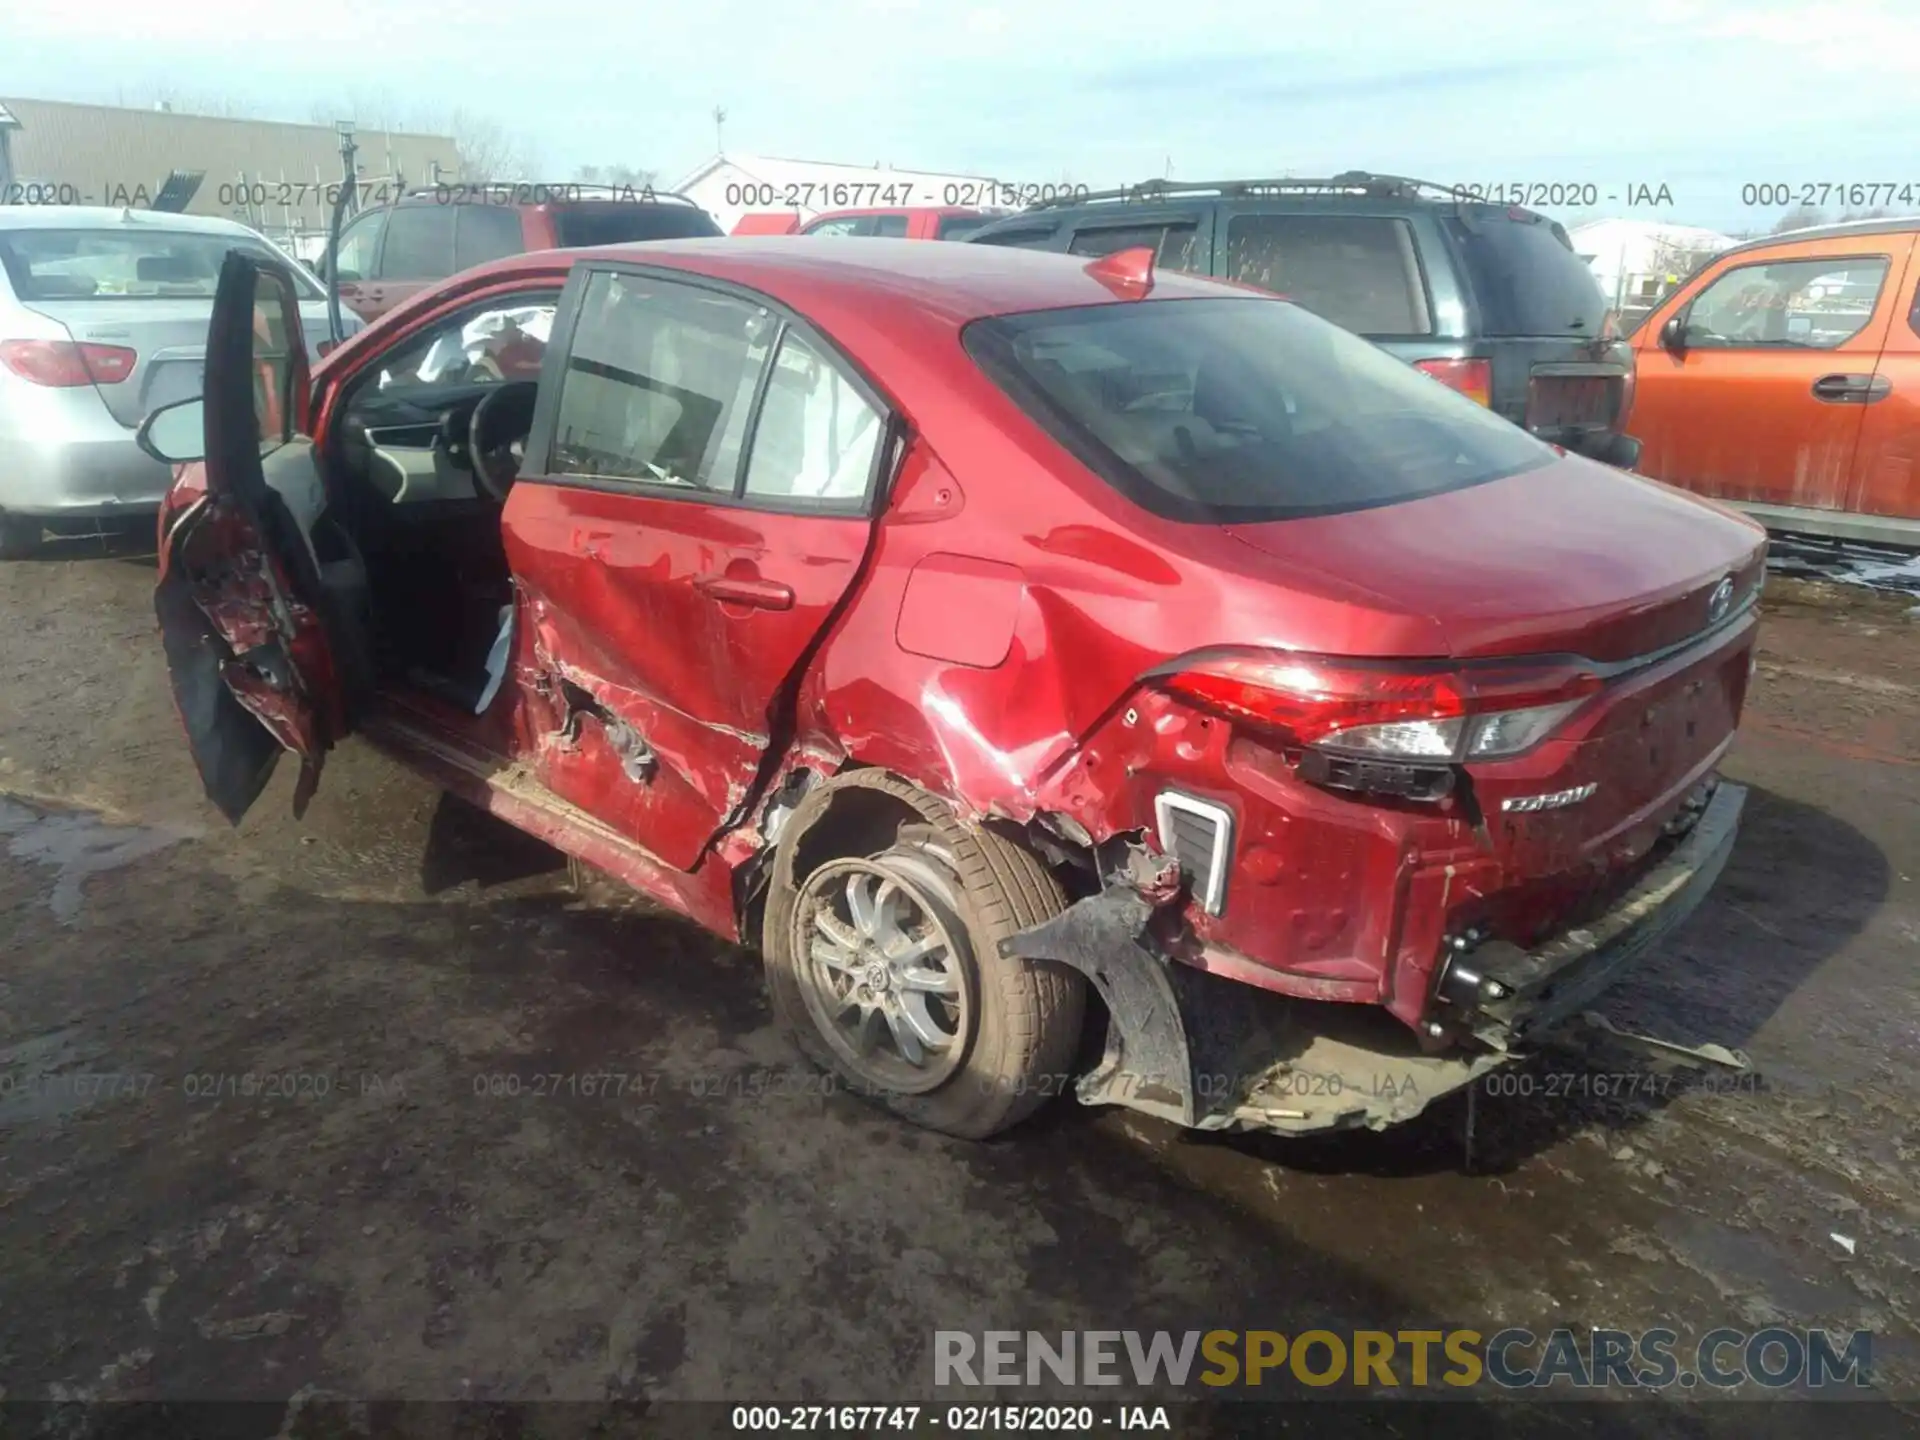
(1552, 800)
(1720, 601)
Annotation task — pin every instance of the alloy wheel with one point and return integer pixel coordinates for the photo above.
(882, 971)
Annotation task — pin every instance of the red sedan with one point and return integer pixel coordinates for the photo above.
(977, 631)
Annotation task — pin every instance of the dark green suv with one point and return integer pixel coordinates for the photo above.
(1489, 299)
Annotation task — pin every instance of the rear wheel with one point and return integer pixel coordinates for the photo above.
(888, 970)
(19, 537)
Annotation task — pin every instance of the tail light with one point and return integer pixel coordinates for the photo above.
(1472, 378)
(63, 363)
(1626, 390)
(1435, 713)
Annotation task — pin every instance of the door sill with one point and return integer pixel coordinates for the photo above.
(415, 730)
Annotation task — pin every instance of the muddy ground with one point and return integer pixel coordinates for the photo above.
(383, 1218)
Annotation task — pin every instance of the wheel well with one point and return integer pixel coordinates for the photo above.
(857, 821)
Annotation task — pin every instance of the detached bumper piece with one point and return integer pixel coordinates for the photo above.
(1504, 995)
(1215, 1054)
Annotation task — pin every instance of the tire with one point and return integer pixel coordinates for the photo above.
(19, 537)
(1024, 1022)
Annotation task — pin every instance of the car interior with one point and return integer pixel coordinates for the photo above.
(660, 385)
(420, 457)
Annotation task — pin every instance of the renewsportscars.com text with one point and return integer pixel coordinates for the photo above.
(1773, 1359)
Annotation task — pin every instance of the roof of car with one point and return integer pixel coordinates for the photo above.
(102, 217)
(1841, 230)
(838, 279)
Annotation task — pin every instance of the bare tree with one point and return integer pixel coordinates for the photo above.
(1875, 214)
(487, 150)
(619, 176)
(1803, 218)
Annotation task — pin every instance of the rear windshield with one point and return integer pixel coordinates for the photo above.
(124, 264)
(613, 223)
(1526, 277)
(1242, 409)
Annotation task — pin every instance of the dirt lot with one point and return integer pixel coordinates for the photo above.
(386, 1218)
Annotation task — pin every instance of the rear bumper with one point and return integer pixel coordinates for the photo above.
(1212, 1054)
(84, 467)
(1503, 995)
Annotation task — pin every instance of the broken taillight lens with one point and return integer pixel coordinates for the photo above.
(1437, 712)
(1472, 378)
(62, 363)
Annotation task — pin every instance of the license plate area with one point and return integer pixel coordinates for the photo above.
(1572, 402)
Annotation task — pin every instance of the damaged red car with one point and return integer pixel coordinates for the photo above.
(1070, 676)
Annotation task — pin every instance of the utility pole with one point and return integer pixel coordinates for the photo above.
(719, 131)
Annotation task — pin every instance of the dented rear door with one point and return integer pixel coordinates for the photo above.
(247, 654)
(696, 508)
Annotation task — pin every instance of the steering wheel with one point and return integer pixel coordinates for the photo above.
(497, 435)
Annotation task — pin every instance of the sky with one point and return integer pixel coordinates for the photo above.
(1702, 97)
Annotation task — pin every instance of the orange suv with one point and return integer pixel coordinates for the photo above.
(1784, 376)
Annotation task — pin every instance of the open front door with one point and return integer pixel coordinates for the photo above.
(239, 594)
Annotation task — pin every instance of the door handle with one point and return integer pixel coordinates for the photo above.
(1852, 389)
(740, 590)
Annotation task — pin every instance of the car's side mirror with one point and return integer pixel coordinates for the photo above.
(176, 433)
(1673, 335)
(319, 267)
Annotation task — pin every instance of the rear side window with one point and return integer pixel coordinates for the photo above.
(485, 232)
(1037, 237)
(890, 227)
(958, 227)
(419, 243)
(1525, 275)
(1173, 242)
(659, 383)
(612, 223)
(360, 246)
(1217, 411)
(1359, 271)
(817, 437)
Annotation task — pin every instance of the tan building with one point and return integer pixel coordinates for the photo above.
(276, 177)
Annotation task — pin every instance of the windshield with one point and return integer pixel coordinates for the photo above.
(1526, 277)
(1243, 409)
(125, 264)
(613, 223)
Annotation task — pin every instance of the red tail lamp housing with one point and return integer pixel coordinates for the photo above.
(1472, 378)
(1416, 711)
(62, 364)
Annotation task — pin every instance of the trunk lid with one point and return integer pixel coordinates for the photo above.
(1571, 558)
(169, 339)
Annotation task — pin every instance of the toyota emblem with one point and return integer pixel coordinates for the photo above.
(1720, 601)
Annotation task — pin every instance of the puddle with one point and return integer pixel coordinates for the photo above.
(1846, 562)
(78, 844)
(37, 1079)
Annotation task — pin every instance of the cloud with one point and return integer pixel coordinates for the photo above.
(1105, 90)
